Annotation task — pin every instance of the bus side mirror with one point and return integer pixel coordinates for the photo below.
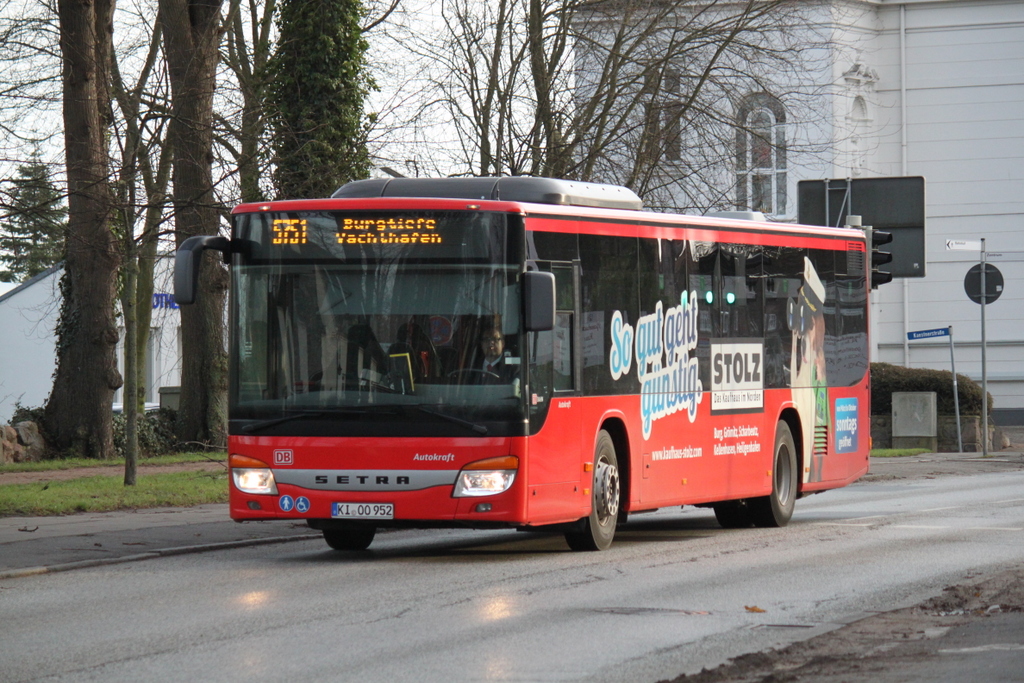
(186, 265)
(539, 299)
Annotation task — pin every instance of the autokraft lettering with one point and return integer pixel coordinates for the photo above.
(367, 480)
(737, 376)
(434, 457)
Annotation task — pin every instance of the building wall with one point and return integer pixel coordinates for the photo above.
(27, 344)
(961, 101)
(28, 317)
(936, 89)
(163, 353)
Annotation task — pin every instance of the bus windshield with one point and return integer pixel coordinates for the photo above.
(376, 319)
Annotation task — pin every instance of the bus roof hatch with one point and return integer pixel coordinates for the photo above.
(508, 188)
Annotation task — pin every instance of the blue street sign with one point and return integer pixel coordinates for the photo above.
(928, 334)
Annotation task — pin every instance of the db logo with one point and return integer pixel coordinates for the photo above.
(284, 457)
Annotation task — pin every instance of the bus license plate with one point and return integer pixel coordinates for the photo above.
(363, 510)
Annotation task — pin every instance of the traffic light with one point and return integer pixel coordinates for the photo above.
(879, 257)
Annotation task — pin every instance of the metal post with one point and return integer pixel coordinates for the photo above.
(956, 393)
(984, 367)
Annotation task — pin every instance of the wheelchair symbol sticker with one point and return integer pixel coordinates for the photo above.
(302, 504)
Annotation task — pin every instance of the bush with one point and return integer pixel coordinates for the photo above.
(156, 433)
(887, 379)
(23, 414)
(156, 430)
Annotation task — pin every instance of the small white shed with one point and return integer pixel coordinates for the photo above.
(28, 318)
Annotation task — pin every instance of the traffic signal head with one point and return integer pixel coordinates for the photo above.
(879, 257)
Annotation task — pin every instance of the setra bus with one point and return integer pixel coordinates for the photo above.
(533, 353)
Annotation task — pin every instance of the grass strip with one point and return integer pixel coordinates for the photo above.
(77, 463)
(103, 494)
(897, 452)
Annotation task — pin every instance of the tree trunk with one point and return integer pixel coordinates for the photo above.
(78, 413)
(191, 39)
(129, 403)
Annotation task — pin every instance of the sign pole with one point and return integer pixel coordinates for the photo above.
(956, 393)
(984, 367)
(945, 332)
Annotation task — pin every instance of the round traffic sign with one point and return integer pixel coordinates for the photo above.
(993, 283)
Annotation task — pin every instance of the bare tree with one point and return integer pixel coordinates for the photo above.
(145, 162)
(192, 31)
(241, 122)
(638, 93)
(132, 134)
(77, 416)
(30, 61)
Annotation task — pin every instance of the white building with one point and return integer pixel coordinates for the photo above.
(949, 105)
(28, 314)
(28, 317)
(931, 88)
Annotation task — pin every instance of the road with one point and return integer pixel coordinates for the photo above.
(674, 595)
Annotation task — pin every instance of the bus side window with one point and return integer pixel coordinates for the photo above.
(783, 276)
(562, 375)
(563, 378)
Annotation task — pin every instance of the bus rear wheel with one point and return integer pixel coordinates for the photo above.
(598, 529)
(350, 537)
(777, 509)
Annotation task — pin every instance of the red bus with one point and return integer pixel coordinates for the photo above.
(643, 360)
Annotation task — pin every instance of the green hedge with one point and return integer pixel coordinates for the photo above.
(155, 430)
(886, 379)
(155, 433)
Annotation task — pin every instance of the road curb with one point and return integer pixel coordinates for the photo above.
(163, 552)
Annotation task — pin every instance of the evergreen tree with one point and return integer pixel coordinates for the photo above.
(317, 88)
(32, 237)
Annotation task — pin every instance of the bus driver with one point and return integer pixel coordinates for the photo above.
(492, 348)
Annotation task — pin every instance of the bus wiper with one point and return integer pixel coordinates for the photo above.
(478, 429)
(298, 415)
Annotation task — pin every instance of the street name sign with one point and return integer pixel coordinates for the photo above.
(928, 334)
(1004, 256)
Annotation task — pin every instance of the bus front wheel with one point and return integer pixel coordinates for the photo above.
(351, 537)
(777, 509)
(598, 528)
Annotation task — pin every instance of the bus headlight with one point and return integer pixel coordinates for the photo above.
(251, 475)
(486, 477)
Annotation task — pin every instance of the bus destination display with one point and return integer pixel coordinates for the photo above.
(388, 230)
(289, 231)
(363, 230)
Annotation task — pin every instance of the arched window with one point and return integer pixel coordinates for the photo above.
(859, 110)
(761, 155)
